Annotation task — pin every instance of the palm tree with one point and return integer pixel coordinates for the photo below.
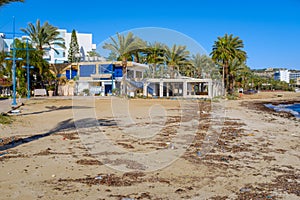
(155, 55)
(41, 66)
(3, 2)
(45, 36)
(123, 46)
(177, 58)
(235, 67)
(225, 49)
(3, 68)
(203, 66)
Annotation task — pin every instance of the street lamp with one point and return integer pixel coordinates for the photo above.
(28, 78)
(28, 68)
(14, 59)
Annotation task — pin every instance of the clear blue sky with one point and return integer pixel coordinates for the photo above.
(270, 29)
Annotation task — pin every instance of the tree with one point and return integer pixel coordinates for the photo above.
(93, 54)
(44, 37)
(4, 2)
(155, 55)
(177, 58)
(204, 67)
(41, 67)
(123, 46)
(3, 68)
(73, 49)
(225, 49)
(112, 56)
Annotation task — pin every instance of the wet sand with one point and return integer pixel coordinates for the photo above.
(48, 156)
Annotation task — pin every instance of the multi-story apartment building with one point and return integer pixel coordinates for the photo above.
(282, 75)
(294, 75)
(85, 45)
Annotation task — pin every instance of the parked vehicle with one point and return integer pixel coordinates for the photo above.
(250, 91)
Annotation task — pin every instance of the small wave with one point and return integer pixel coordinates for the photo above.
(290, 108)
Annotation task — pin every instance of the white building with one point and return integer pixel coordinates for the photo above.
(85, 42)
(294, 75)
(5, 43)
(282, 75)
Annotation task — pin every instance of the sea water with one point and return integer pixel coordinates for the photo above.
(291, 108)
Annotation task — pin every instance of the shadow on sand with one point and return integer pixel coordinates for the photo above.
(66, 125)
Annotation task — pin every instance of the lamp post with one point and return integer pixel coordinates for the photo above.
(28, 67)
(14, 103)
(112, 77)
(14, 59)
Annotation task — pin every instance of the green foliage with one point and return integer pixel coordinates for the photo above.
(4, 2)
(116, 91)
(232, 97)
(177, 57)
(124, 46)
(45, 36)
(73, 54)
(93, 54)
(112, 56)
(204, 67)
(86, 91)
(225, 50)
(5, 119)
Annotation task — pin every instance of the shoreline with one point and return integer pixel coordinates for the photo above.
(260, 104)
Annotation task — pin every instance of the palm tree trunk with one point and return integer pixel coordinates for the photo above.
(226, 77)
(154, 69)
(124, 72)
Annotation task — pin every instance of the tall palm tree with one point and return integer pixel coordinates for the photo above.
(3, 2)
(155, 55)
(41, 67)
(236, 69)
(225, 49)
(44, 36)
(123, 46)
(203, 66)
(176, 58)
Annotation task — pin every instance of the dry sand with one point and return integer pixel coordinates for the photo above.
(45, 156)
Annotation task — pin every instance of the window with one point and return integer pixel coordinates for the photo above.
(87, 70)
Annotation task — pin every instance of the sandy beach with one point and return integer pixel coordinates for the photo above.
(102, 148)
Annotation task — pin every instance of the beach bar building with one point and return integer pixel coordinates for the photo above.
(184, 87)
(102, 77)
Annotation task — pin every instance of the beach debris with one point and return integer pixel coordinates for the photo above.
(170, 145)
(15, 111)
(224, 159)
(199, 153)
(98, 177)
(245, 190)
(53, 176)
(180, 190)
(2, 154)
